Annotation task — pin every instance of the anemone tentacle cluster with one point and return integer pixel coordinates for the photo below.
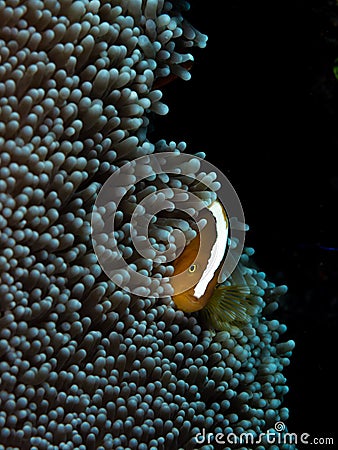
(83, 364)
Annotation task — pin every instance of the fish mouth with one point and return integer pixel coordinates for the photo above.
(187, 302)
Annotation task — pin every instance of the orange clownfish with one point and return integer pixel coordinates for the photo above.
(221, 306)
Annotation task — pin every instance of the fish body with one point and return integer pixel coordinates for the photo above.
(202, 259)
(188, 301)
(221, 306)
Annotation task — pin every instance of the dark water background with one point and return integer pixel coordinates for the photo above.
(263, 104)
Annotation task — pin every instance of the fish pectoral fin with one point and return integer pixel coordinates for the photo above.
(229, 306)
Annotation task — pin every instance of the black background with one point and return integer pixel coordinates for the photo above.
(262, 103)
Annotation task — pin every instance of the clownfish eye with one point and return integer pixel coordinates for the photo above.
(192, 268)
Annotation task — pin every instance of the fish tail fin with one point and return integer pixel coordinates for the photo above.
(229, 306)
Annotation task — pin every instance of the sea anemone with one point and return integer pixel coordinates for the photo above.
(84, 364)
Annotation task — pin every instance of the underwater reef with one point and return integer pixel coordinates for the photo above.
(84, 364)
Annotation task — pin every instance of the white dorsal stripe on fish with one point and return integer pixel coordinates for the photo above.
(217, 250)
